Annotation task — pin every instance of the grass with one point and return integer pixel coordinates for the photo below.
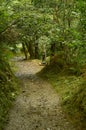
(72, 91)
(8, 91)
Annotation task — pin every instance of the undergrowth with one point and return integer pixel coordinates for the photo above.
(71, 87)
(8, 91)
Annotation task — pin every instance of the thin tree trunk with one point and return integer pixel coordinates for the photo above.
(52, 50)
(36, 51)
(25, 51)
(44, 54)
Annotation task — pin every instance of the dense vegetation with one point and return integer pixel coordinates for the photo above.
(71, 89)
(56, 29)
(8, 89)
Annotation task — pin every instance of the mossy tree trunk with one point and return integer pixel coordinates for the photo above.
(30, 49)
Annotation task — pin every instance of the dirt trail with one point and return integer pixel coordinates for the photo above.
(37, 107)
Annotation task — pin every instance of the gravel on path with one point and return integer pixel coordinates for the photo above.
(38, 106)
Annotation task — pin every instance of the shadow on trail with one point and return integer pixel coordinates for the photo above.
(37, 107)
(27, 76)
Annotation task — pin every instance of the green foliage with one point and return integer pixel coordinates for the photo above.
(44, 3)
(74, 102)
(8, 86)
(62, 22)
(71, 90)
(8, 90)
(37, 24)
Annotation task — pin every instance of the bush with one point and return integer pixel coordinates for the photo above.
(8, 90)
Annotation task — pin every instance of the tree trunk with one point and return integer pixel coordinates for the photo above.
(36, 51)
(25, 51)
(30, 49)
(44, 54)
(52, 49)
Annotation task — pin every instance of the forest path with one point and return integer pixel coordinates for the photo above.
(37, 107)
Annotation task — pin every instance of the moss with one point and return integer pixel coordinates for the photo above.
(72, 91)
(8, 90)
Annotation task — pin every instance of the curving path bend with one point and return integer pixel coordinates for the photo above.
(37, 107)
